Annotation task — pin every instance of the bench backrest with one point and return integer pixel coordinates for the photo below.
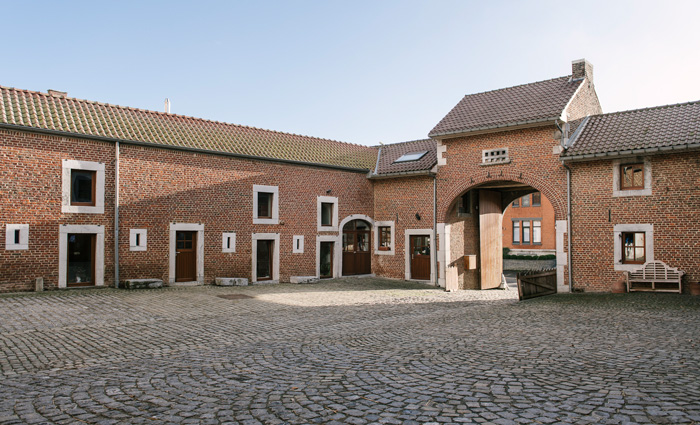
(654, 270)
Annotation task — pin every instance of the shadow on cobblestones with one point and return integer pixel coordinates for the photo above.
(348, 351)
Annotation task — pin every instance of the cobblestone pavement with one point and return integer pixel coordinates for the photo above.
(350, 352)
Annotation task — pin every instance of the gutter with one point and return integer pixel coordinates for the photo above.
(179, 148)
(435, 243)
(116, 215)
(569, 259)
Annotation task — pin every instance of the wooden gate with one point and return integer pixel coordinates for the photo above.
(537, 284)
(491, 236)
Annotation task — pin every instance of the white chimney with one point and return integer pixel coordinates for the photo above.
(167, 105)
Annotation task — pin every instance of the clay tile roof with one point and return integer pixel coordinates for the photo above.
(663, 127)
(57, 112)
(517, 105)
(390, 153)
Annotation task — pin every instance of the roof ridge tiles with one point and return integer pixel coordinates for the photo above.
(649, 108)
(401, 143)
(523, 85)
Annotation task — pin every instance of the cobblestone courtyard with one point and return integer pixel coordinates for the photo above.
(355, 351)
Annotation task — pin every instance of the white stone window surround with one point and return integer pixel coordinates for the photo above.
(298, 244)
(187, 227)
(63, 232)
(10, 232)
(142, 239)
(275, 219)
(635, 192)
(618, 229)
(494, 156)
(336, 253)
(275, 256)
(334, 222)
(377, 225)
(407, 251)
(228, 242)
(99, 169)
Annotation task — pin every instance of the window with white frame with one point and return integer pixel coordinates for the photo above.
(137, 239)
(384, 237)
(265, 204)
(298, 244)
(228, 242)
(632, 177)
(16, 236)
(527, 231)
(83, 187)
(327, 213)
(536, 231)
(633, 245)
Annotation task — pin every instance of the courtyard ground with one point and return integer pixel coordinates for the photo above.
(347, 351)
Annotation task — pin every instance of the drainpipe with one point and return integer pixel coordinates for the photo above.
(435, 248)
(568, 224)
(116, 215)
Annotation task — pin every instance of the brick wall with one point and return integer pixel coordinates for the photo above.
(545, 212)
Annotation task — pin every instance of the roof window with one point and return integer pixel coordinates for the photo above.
(411, 156)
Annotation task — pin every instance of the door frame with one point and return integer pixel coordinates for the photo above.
(255, 237)
(407, 251)
(99, 232)
(336, 260)
(187, 227)
(339, 249)
(178, 254)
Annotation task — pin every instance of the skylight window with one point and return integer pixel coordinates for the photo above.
(411, 156)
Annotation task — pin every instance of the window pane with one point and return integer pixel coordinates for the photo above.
(516, 232)
(526, 200)
(81, 186)
(516, 203)
(639, 254)
(363, 242)
(361, 225)
(536, 199)
(526, 232)
(537, 232)
(629, 253)
(639, 239)
(264, 205)
(384, 237)
(326, 214)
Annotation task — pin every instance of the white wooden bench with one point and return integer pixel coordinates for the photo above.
(655, 276)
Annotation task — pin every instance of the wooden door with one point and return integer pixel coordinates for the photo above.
(491, 237)
(185, 256)
(81, 259)
(263, 266)
(356, 248)
(420, 257)
(326, 260)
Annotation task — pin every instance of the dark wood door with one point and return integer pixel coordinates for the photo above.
(81, 259)
(326, 260)
(491, 238)
(185, 256)
(263, 267)
(420, 257)
(356, 248)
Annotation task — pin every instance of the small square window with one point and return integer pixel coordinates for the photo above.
(516, 203)
(526, 232)
(16, 237)
(326, 214)
(228, 242)
(536, 199)
(631, 176)
(516, 232)
(298, 244)
(537, 232)
(465, 204)
(384, 238)
(82, 187)
(265, 204)
(525, 201)
(633, 248)
(137, 239)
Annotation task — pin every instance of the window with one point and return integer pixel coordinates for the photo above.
(526, 201)
(265, 204)
(516, 203)
(83, 187)
(16, 237)
(634, 248)
(536, 231)
(631, 176)
(516, 232)
(228, 242)
(494, 156)
(326, 214)
(526, 231)
(465, 204)
(298, 244)
(384, 238)
(412, 156)
(536, 199)
(137, 239)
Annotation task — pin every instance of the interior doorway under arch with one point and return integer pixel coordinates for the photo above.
(357, 258)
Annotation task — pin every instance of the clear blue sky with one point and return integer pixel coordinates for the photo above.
(358, 71)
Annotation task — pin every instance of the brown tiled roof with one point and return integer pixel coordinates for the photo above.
(510, 106)
(390, 153)
(643, 130)
(59, 113)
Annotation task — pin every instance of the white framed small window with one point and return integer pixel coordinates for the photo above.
(494, 156)
(83, 187)
(137, 239)
(327, 213)
(643, 233)
(298, 244)
(266, 208)
(632, 177)
(228, 242)
(16, 236)
(384, 236)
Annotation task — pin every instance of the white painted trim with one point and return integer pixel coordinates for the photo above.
(224, 239)
(10, 244)
(142, 239)
(442, 245)
(187, 227)
(275, 204)
(275, 255)
(441, 150)
(334, 220)
(565, 112)
(451, 269)
(560, 228)
(63, 231)
(352, 217)
(299, 250)
(99, 168)
(639, 192)
(618, 229)
(407, 251)
(337, 253)
(377, 225)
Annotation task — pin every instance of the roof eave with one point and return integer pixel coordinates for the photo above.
(631, 152)
(494, 128)
(427, 172)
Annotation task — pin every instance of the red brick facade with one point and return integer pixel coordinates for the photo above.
(543, 212)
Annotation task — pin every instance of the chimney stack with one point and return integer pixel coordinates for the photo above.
(580, 69)
(56, 93)
(167, 105)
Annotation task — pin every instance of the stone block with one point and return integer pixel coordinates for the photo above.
(142, 284)
(231, 281)
(303, 279)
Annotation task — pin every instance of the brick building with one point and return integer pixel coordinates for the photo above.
(528, 225)
(95, 194)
